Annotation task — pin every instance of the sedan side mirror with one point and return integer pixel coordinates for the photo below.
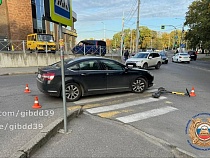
(150, 57)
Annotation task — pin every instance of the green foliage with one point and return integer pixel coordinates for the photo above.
(198, 20)
(147, 39)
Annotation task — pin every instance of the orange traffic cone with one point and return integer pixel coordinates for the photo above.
(192, 93)
(36, 103)
(27, 89)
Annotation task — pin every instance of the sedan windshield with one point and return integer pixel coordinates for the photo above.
(141, 55)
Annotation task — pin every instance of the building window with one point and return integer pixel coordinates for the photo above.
(38, 14)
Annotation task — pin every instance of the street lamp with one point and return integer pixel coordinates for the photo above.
(104, 31)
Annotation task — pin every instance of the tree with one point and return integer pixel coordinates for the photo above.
(198, 21)
(148, 39)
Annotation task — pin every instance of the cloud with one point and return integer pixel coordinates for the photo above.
(153, 13)
(100, 10)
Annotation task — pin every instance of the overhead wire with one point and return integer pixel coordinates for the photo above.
(131, 12)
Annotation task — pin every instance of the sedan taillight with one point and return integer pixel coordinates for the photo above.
(180, 56)
(48, 76)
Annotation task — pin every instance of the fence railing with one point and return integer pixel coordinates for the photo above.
(20, 46)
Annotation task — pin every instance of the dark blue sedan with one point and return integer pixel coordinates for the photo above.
(90, 76)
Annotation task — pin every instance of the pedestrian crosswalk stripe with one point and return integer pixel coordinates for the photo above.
(146, 114)
(85, 101)
(152, 90)
(113, 113)
(123, 105)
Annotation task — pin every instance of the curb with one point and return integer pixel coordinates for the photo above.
(43, 136)
(17, 73)
(176, 151)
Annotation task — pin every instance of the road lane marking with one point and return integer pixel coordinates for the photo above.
(152, 90)
(87, 106)
(168, 102)
(146, 114)
(85, 101)
(74, 107)
(112, 113)
(123, 105)
(197, 67)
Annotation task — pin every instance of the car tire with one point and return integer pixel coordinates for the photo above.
(166, 62)
(139, 85)
(145, 66)
(158, 65)
(73, 92)
(172, 60)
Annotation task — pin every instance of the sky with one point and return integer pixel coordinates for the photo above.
(101, 19)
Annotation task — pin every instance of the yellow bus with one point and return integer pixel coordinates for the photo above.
(39, 42)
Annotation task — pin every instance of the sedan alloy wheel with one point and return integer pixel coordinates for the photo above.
(73, 92)
(139, 85)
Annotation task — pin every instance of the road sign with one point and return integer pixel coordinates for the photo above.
(61, 11)
(182, 45)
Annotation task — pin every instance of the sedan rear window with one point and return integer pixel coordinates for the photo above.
(58, 64)
(184, 54)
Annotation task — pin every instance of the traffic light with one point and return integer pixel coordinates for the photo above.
(0, 2)
(162, 26)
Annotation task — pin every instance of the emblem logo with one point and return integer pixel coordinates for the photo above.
(198, 130)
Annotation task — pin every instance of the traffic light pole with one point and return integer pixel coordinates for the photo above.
(175, 34)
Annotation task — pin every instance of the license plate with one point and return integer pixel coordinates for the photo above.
(130, 65)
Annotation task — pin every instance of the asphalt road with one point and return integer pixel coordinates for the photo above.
(169, 126)
(19, 121)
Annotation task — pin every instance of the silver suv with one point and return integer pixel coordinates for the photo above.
(145, 60)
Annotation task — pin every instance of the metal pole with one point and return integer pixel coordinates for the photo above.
(104, 31)
(122, 37)
(63, 80)
(84, 49)
(131, 42)
(24, 49)
(137, 28)
(181, 41)
(100, 50)
(46, 47)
